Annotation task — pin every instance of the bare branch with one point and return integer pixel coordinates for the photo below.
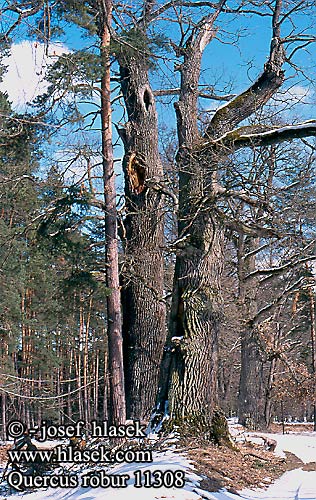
(204, 95)
(207, 31)
(240, 195)
(237, 139)
(156, 185)
(276, 271)
(154, 14)
(279, 298)
(147, 10)
(250, 230)
(258, 94)
(22, 14)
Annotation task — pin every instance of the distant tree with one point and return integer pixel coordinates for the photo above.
(52, 299)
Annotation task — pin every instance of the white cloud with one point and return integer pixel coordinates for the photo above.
(294, 95)
(25, 77)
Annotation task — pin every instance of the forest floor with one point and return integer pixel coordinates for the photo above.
(212, 472)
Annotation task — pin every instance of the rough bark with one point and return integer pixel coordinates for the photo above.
(251, 386)
(313, 342)
(195, 323)
(251, 410)
(191, 357)
(114, 329)
(271, 377)
(144, 309)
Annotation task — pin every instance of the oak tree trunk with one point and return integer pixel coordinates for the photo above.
(144, 325)
(251, 386)
(192, 348)
(313, 342)
(195, 324)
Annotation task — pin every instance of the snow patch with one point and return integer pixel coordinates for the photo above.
(302, 445)
(294, 485)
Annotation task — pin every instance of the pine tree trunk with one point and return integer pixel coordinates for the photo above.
(114, 330)
(69, 376)
(4, 415)
(143, 273)
(96, 386)
(79, 374)
(105, 411)
(87, 392)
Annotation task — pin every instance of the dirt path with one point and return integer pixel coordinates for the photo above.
(299, 482)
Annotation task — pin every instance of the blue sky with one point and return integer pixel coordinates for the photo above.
(227, 65)
(230, 65)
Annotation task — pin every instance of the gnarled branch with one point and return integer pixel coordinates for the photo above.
(245, 104)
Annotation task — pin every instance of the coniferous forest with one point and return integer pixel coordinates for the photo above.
(157, 212)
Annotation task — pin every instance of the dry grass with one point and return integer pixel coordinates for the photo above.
(289, 428)
(249, 467)
(3, 453)
(222, 467)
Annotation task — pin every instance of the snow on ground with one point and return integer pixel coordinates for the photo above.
(303, 445)
(297, 484)
(162, 461)
(293, 485)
